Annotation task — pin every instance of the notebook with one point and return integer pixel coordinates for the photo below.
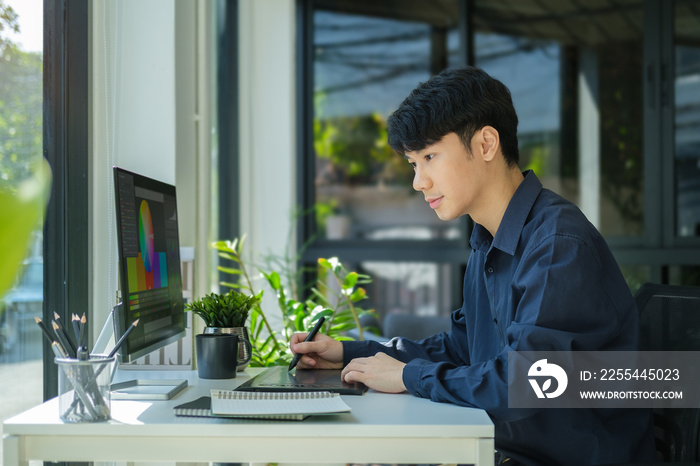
(293, 406)
(201, 407)
(279, 379)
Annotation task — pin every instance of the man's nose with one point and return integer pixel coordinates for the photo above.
(421, 182)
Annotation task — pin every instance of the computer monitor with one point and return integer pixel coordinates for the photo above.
(149, 265)
(150, 281)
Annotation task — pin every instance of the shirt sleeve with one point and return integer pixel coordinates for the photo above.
(445, 347)
(561, 302)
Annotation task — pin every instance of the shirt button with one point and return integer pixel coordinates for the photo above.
(490, 270)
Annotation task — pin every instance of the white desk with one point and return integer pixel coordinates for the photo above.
(381, 428)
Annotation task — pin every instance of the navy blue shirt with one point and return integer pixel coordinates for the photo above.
(546, 282)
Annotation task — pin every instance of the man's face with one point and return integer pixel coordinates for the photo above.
(450, 178)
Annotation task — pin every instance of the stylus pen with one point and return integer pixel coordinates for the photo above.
(309, 337)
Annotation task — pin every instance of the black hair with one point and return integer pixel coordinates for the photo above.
(460, 101)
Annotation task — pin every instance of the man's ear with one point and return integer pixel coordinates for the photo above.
(489, 142)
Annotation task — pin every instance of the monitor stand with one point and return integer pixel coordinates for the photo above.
(139, 389)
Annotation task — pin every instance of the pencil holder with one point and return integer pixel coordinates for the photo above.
(83, 389)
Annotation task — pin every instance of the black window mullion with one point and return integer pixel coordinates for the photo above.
(305, 114)
(227, 111)
(667, 122)
(65, 142)
(466, 32)
(305, 172)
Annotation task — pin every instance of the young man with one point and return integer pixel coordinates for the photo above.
(540, 278)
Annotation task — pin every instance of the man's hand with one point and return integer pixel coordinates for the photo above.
(322, 353)
(380, 372)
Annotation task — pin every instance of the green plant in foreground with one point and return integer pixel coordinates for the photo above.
(23, 206)
(224, 310)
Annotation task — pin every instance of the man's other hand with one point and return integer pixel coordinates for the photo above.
(380, 372)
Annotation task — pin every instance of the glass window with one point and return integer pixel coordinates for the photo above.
(684, 275)
(574, 73)
(21, 43)
(635, 275)
(687, 117)
(367, 59)
(425, 289)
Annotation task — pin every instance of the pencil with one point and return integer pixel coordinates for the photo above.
(71, 348)
(123, 338)
(78, 329)
(58, 350)
(44, 330)
(83, 333)
(61, 337)
(75, 320)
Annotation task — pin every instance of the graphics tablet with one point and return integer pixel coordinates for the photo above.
(278, 379)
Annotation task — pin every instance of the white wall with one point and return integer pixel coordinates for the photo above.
(267, 58)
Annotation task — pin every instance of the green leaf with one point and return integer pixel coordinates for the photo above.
(299, 322)
(234, 285)
(274, 281)
(222, 246)
(21, 213)
(343, 317)
(229, 257)
(342, 327)
(350, 280)
(358, 295)
(322, 299)
(343, 338)
(323, 313)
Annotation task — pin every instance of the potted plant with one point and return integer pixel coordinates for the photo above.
(227, 314)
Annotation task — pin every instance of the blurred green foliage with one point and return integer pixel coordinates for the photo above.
(25, 177)
(21, 99)
(21, 213)
(357, 150)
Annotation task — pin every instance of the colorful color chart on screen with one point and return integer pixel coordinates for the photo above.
(147, 271)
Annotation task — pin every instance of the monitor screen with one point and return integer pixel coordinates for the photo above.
(149, 265)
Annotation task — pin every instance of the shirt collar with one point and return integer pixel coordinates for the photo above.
(513, 220)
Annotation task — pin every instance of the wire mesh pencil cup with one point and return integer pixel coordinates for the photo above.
(83, 389)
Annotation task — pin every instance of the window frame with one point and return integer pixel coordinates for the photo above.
(65, 143)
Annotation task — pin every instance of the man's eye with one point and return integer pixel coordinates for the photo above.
(412, 164)
(429, 156)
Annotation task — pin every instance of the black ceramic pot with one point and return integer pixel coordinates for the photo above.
(217, 355)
